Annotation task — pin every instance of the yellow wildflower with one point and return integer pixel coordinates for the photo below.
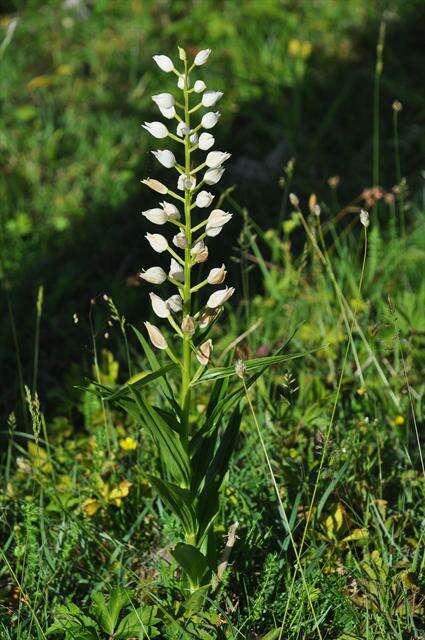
(119, 493)
(399, 421)
(91, 506)
(128, 444)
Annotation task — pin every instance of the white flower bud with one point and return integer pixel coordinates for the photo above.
(201, 57)
(155, 185)
(165, 157)
(154, 275)
(170, 210)
(164, 63)
(212, 176)
(199, 251)
(209, 98)
(364, 218)
(206, 141)
(219, 297)
(180, 83)
(156, 336)
(218, 218)
(176, 271)
(182, 130)
(204, 199)
(168, 113)
(175, 303)
(156, 129)
(217, 276)
(188, 325)
(164, 100)
(180, 241)
(157, 242)
(159, 306)
(293, 199)
(210, 119)
(216, 158)
(203, 353)
(157, 216)
(206, 317)
(193, 138)
(199, 86)
(186, 184)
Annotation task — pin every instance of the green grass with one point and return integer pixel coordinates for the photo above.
(327, 482)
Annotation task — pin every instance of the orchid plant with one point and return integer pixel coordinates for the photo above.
(194, 447)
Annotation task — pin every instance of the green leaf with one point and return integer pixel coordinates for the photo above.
(208, 502)
(137, 623)
(170, 447)
(103, 615)
(179, 500)
(155, 365)
(139, 380)
(272, 635)
(192, 561)
(217, 373)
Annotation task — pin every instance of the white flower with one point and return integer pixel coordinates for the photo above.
(204, 352)
(188, 325)
(155, 185)
(201, 57)
(176, 271)
(186, 184)
(209, 98)
(168, 113)
(364, 218)
(175, 303)
(164, 100)
(156, 129)
(210, 119)
(193, 138)
(216, 158)
(212, 176)
(157, 242)
(159, 306)
(154, 275)
(180, 241)
(206, 317)
(182, 130)
(157, 216)
(219, 297)
(164, 63)
(216, 220)
(180, 83)
(206, 141)
(199, 86)
(156, 336)
(217, 276)
(199, 251)
(165, 157)
(204, 199)
(170, 210)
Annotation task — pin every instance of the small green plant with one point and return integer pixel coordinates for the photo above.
(112, 619)
(194, 446)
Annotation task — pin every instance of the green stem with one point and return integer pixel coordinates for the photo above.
(187, 296)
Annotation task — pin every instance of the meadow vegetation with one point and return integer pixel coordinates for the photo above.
(311, 520)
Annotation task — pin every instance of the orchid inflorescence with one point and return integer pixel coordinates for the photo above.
(191, 240)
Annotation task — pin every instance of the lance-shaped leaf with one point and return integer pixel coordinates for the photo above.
(208, 501)
(139, 380)
(155, 365)
(193, 563)
(179, 500)
(171, 450)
